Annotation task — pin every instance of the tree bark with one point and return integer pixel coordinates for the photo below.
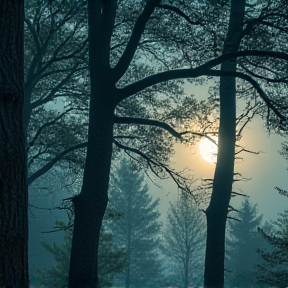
(13, 186)
(217, 210)
(90, 204)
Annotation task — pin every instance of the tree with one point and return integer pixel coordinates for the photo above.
(184, 243)
(111, 260)
(107, 92)
(274, 270)
(219, 208)
(13, 182)
(243, 240)
(55, 69)
(138, 230)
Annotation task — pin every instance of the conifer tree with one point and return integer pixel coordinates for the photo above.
(111, 261)
(184, 243)
(274, 270)
(242, 243)
(138, 229)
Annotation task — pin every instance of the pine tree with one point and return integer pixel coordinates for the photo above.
(274, 271)
(111, 261)
(138, 230)
(242, 243)
(184, 243)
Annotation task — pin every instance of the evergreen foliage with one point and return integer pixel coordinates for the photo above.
(110, 261)
(184, 243)
(242, 243)
(274, 271)
(138, 230)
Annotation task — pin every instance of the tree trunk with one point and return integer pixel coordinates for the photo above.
(13, 186)
(90, 204)
(216, 213)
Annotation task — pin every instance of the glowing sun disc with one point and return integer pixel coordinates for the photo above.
(208, 149)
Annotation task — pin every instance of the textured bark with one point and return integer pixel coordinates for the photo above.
(91, 203)
(13, 186)
(216, 213)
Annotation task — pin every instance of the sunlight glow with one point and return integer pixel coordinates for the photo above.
(208, 149)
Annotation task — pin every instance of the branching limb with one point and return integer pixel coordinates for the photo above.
(202, 70)
(180, 13)
(139, 27)
(249, 118)
(56, 159)
(55, 89)
(233, 218)
(248, 151)
(162, 125)
(157, 167)
(47, 124)
(232, 209)
(233, 194)
(149, 122)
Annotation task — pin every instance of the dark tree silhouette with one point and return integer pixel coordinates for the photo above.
(111, 260)
(274, 270)
(138, 231)
(217, 210)
(107, 91)
(13, 186)
(243, 240)
(184, 243)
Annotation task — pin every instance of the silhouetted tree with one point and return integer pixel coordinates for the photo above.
(184, 243)
(13, 174)
(243, 240)
(138, 230)
(56, 68)
(109, 89)
(111, 260)
(274, 270)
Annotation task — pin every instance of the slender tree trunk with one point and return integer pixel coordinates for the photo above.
(216, 213)
(13, 186)
(90, 204)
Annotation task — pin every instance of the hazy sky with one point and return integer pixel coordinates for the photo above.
(267, 170)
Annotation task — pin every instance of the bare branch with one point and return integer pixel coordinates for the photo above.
(193, 73)
(233, 194)
(180, 13)
(139, 27)
(47, 124)
(152, 164)
(201, 70)
(233, 218)
(55, 89)
(162, 125)
(56, 159)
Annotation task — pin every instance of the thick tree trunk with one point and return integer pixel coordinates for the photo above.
(90, 204)
(13, 186)
(216, 213)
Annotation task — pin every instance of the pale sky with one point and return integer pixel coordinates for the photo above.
(267, 170)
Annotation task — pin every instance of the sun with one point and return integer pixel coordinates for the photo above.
(208, 149)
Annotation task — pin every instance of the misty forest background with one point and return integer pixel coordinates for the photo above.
(106, 96)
